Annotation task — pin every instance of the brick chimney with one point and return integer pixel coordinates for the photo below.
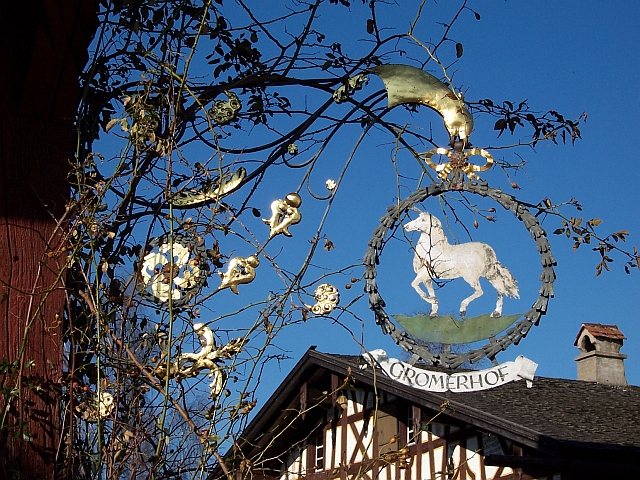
(600, 359)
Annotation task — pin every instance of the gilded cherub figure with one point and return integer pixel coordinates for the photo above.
(240, 270)
(284, 213)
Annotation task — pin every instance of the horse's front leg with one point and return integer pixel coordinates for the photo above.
(425, 279)
(477, 292)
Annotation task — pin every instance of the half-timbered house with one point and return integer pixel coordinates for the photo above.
(335, 416)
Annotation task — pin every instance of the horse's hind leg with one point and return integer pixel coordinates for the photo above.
(431, 298)
(498, 285)
(477, 292)
(498, 311)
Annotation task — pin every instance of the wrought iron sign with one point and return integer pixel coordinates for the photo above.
(446, 329)
(434, 257)
(174, 268)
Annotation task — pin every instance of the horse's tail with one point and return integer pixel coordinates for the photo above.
(502, 280)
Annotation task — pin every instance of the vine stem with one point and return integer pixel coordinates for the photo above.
(153, 381)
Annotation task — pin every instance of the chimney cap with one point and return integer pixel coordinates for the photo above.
(599, 330)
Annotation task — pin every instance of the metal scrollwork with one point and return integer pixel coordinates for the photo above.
(223, 112)
(458, 160)
(239, 271)
(327, 297)
(174, 267)
(284, 213)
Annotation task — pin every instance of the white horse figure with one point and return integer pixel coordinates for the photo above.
(436, 258)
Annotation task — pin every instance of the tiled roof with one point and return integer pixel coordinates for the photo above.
(599, 330)
(566, 411)
(566, 420)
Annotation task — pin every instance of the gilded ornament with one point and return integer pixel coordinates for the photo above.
(173, 268)
(284, 213)
(353, 84)
(188, 365)
(407, 84)
(331, 185)
(239, 271)
(327, 298)
(97, 407)
(223, 112)
(458, 160)
(214, 191)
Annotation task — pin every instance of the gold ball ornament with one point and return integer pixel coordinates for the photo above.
(293, 200)
(253, 260)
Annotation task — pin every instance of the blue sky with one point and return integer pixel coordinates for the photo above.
(572, 57)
